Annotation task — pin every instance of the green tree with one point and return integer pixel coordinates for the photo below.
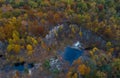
(33, 4)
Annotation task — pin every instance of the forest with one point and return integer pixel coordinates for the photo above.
(59, 38)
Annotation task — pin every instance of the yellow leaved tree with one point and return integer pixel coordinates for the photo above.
(17, 48)
(10, 47)
(34, 41)
(29, 49)
(80, 33)
(108, 44)
(83, 69)
(72, 75)
(14, 43)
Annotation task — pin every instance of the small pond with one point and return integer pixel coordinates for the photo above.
(71, 54)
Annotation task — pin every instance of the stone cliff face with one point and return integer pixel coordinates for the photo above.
(88, 37)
